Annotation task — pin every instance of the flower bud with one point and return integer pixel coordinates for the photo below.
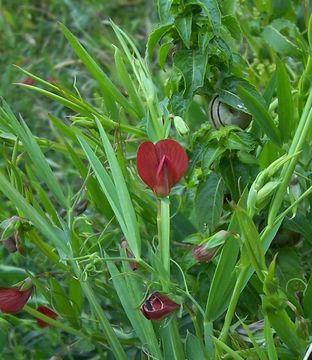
(208, 249)
(158, 306)
(48, 312)
(181, 126)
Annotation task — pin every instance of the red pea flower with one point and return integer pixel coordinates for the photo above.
(12, 300)
(158, 306)
(161, 165)
(48, 312)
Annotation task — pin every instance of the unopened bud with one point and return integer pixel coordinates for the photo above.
(265, 193)
(181, 126)
(208, 249)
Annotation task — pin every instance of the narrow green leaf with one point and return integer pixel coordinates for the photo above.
(41, 165)
(286, 120)
(123, 195)
(128, 299)
(252, 241)
(106, 184)
(163, 53)
(260, 115)
(272, 354)
(107, 87)
(279, 42)
(62, 303)
(128, 83)
(51, 233)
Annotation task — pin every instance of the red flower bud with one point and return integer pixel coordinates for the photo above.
(158, 306)
(203, 253)
(48, 312)
(125, 246)
(12, 300)
(161, 165)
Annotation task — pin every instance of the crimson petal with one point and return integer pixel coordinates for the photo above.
(12, 300)
(158, 306)
(161, 165)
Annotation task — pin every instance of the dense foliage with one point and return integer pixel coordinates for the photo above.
(155, 179)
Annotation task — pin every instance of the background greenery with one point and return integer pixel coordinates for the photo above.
(193, 53)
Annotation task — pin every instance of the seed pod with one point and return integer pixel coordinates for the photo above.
(221, 114)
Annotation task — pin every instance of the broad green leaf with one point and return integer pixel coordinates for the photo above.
(260, 115)
(286, 120)
(232, 24)
(212, 10)
(155, 36)
(163, 10)
(209, 202)
(109, 90)
(184, 27)
(192, 65)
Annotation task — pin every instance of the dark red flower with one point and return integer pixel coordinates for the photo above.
(161, 165)
(125, 246)
(158, 306)
(48, 312)
(12, 300)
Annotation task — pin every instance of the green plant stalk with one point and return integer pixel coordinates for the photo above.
(163, 225)
(55, 323)
(288, 169)
(232, 306)
(226, 348)
(98, 311)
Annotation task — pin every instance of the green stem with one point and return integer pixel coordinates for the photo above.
(55, 323)
(232, 306)
(104, 323)
(296, 147)
(163, 224)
